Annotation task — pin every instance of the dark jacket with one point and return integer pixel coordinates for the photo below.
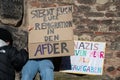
(10, 60)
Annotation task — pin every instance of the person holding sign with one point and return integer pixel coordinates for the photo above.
(44, 66)
(10, 58)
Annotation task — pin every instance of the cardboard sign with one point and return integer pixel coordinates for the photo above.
(52, 33)
(88, 58)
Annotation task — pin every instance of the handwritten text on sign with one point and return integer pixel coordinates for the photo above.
(88, 58)
(52, 27)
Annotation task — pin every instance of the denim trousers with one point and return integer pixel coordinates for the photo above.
(44, 67)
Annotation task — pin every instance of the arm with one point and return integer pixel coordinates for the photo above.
(19, 59)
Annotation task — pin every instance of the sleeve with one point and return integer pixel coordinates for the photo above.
(19, 59)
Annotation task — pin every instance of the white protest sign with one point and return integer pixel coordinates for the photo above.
(88, 58)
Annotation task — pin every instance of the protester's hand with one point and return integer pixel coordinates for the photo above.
(30, 28)
(26, 48)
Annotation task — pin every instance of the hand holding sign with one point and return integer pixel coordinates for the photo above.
(30, 28)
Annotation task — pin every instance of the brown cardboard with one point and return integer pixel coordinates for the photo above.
(52, 49)
(51, 26)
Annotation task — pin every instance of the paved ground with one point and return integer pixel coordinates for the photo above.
(64, 76)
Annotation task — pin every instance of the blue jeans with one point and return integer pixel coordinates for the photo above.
(45, 67)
